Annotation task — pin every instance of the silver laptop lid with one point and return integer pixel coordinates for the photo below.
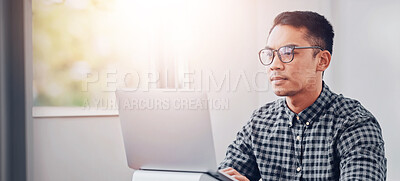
(167, 130)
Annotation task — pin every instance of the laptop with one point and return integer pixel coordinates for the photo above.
(168, 130)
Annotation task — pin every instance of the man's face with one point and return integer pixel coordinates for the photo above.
(298, 76)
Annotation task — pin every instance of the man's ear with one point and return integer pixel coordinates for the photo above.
(324, 60)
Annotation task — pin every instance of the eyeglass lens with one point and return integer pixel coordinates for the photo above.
(285, 54)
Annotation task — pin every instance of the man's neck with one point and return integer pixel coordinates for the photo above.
(302, 100)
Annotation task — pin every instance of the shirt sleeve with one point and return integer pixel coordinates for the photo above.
(361, 151)
(240, 155)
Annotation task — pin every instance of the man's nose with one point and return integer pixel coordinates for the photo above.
(276, 63)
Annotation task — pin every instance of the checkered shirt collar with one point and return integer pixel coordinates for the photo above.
(310, 112)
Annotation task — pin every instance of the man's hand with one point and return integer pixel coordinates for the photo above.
(235, 174)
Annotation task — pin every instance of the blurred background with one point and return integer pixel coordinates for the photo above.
(83, 50)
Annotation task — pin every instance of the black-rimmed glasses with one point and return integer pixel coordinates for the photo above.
(285, 54)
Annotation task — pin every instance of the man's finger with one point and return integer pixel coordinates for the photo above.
(232, 172)
(240, 178)
(226, 169)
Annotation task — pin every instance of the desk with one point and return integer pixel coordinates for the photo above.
(146, 175)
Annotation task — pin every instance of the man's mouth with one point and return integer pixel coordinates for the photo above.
(277, 80)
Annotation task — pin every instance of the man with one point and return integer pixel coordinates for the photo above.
(312, 133)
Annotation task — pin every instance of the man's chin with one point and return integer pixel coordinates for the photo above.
(280, 93)
(279, 90)
(283, 92)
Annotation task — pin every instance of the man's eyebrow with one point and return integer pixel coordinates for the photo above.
(291, 44)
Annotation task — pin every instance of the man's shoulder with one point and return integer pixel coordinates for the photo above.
(349, 110)
(267, 113)
(270, 108)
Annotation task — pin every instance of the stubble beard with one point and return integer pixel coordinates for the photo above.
(283, 92)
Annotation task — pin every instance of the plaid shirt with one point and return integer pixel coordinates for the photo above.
(333, 139)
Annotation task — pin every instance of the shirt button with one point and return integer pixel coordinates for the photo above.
(307, 123)
(298, 169)
(298, 118)
(298, 138)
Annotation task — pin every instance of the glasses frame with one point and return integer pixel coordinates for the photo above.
(279, 55)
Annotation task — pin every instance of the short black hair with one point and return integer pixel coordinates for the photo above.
(319, 30)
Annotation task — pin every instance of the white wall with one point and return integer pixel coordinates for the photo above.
(79, 149)
(226, 48)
